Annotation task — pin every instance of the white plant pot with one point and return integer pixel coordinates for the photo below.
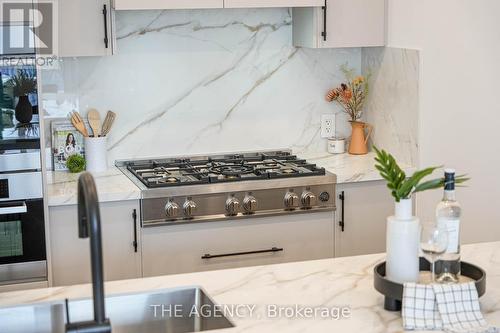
(403, 243)
(96, 154)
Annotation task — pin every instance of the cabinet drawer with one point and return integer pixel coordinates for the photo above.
(181, 248)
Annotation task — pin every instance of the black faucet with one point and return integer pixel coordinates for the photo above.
(89, 224)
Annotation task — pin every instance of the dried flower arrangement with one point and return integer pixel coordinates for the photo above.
(350, 95)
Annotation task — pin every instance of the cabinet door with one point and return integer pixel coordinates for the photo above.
(353, 23)
(366, 206)
(84, 28)
(184, 248)
(341, 23)
(70, 255)
(272, 3)
(166, 4)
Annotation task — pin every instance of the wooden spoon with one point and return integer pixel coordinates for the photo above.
(108, 122)
(94, 122)
(78, 123)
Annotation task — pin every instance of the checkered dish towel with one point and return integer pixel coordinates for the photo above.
(452, 308)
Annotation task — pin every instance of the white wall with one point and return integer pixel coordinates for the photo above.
(460, 99)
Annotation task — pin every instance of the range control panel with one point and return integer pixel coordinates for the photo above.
(230, 205)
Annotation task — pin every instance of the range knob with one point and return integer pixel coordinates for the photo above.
(171, 209)
(308, 199)
(249, 204)
(291, 200)
(232, 206)
(189, 208)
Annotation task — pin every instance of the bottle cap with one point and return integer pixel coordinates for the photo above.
(449, 179)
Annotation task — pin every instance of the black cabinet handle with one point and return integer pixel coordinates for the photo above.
(211, 256)
(323, 33)
(342, 220)
(134, 217)
(105, 14)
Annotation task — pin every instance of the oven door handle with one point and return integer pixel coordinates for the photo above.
(17, 209)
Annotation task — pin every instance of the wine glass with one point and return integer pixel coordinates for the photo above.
(433, 242)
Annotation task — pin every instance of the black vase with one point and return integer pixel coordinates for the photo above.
(24, 110)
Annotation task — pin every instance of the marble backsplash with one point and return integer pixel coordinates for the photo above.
(393, 102)
(198, 81)
(208, 81)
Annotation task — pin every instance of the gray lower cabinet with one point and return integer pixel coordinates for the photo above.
(360, 225)
(230, 244)
(70, 255)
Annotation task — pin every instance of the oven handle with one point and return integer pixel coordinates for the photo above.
(18, 209)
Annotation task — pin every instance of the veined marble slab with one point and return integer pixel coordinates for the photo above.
(341, 282)
(350, 168)
(112, 185)
(187, 82)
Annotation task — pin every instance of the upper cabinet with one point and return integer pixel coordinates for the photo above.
(187, 4)
(166, 4)
(340, 23)
(85, 28)
(272, 3)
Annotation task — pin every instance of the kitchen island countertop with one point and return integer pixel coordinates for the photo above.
(341, 282)
(113, 185)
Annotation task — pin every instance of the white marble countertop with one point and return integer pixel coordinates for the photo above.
(340, 282)
(350, 168)
(113, 185)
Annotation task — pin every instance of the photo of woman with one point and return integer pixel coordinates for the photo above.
(66, 141)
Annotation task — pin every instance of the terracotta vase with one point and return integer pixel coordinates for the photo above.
(359, 138)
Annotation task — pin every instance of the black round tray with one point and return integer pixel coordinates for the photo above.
(393, 291)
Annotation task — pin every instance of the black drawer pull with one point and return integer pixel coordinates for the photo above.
(134, 217)
(211, 256)
(342, 218)
(105, 14)
(323, 33)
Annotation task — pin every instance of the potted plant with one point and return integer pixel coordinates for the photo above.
(351, 96)
(403, 229)
(22, 84)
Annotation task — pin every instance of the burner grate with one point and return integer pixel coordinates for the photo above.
(227, 168)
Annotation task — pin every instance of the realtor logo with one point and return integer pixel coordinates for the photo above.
(28, 26)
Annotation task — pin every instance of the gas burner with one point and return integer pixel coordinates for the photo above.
(232, 170)
(288, 171)
(172, 180)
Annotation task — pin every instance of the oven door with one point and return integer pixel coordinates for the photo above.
(22, 242)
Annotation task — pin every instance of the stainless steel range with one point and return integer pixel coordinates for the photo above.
(231, 186)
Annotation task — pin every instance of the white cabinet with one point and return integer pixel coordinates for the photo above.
(341, 23)
(187, 248)
(84, 28)
(166, 4)
(272, 3)
(70, 255)
(199, 4)
(362, 209)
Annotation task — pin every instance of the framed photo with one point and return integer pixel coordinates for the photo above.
(66, 141)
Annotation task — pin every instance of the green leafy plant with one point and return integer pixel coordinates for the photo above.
(76, 163)
(401, 186)
(23, 83)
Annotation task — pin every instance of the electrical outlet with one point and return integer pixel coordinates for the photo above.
(327, 125)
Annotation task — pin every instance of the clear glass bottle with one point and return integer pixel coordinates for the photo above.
(448, 213)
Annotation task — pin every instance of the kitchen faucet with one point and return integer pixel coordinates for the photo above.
(89, 224)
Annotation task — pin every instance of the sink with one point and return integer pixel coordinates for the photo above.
(172, 311)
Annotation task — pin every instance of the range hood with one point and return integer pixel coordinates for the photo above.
(200, 4)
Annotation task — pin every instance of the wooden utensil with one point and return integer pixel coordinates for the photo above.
(94, 122)
(108, 122)
(78, 123)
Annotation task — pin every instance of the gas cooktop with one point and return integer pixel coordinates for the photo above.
(157, 173)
